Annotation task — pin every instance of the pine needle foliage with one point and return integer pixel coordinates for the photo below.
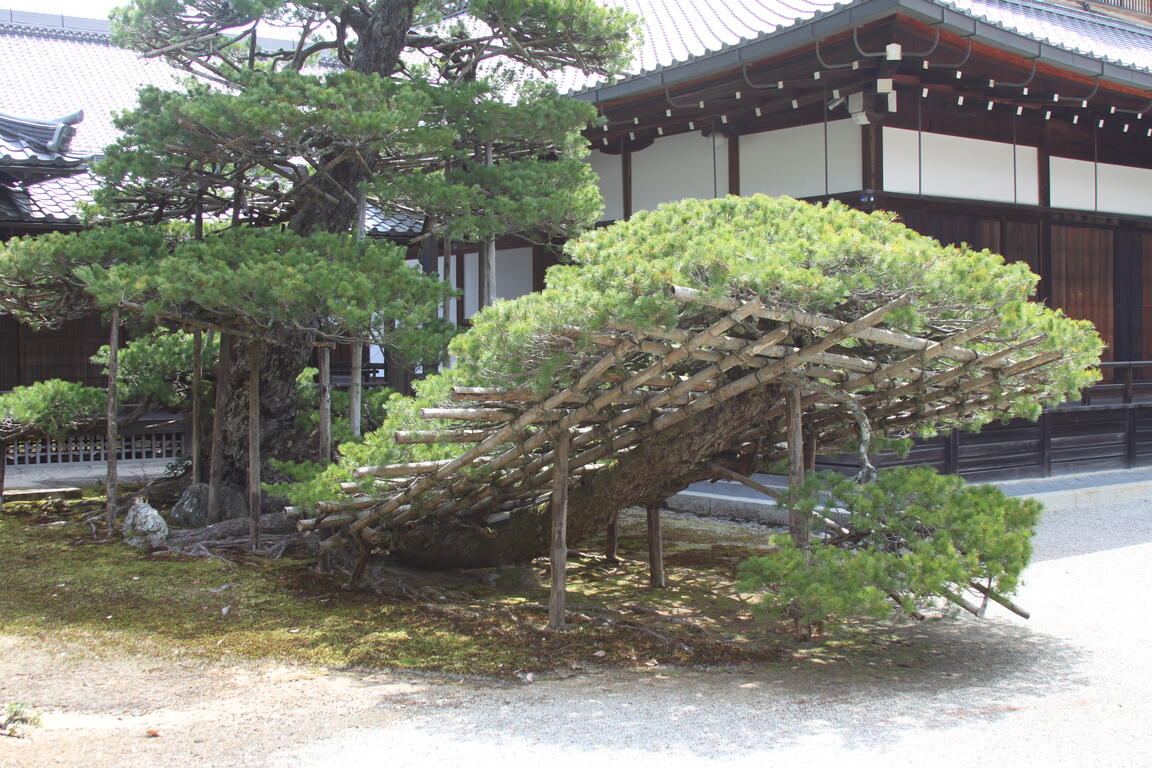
(915, 537)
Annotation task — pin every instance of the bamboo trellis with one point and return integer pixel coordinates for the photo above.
(853, 378)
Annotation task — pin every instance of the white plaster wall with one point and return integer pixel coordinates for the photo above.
(608, 168)
(951, 166)
(801, 161)
(676, 167)
(513, 272)
(1087, 186)
(1123, 189)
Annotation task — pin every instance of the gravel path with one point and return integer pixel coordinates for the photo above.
(1072, 686)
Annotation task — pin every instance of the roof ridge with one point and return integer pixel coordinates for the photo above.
(55, 33)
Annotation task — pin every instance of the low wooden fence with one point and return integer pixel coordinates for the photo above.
(1139, 6)
(158, 437)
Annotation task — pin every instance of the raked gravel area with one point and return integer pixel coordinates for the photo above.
(1070, 687)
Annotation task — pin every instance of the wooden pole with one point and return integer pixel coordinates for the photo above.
(488, 272)
(559, 555)
(113, 435)
(254, 442)
(197, 416)
(655, 549)
(216, 459)
(356, 392)
(3, 468)
(613, 539)
(325, 356)
(799, 524)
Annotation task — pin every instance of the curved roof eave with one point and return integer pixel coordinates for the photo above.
(846, 17)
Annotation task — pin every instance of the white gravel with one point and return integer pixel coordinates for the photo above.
(1072, 686)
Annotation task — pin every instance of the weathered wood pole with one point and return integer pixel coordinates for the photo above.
(3, 468)
(559, 555)
(488, 255)
(197, 415)
(799, 524)
(356, 390)
(113, 434)
(254, 443)
(324, 351)
(655, 549)
(612, 542)
(216, 458)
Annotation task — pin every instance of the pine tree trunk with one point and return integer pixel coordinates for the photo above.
(280, 364)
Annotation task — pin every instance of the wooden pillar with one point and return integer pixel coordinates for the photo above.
(216, 458)
(197, 415)
(559, 554)
(734, 164)
(324, 353)
(3, 468)
(113, 433)
(655, 549)
(254, 443)
(356, 391)
(612, 542)
(626, 182)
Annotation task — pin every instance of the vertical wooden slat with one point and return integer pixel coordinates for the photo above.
(110, 485)
(559, 553)
(254, 443)
(626, 182)
(655, 549)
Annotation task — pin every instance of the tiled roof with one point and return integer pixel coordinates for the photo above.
(677, 31)
(1101, 37)
(56, 65)
(680, 31)
(52, 201)
(398, 225)
(34, 148)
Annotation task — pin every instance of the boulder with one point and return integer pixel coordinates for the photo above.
(191, 511)
(144, 527)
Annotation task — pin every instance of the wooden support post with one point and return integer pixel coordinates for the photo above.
(799, 524)
(612, 541)
(356, 392)
(254, 443)
(559, 555)
(216, 459)
(197, 415)
(3, 468)
(655, 549)
(324, 352)
(113, 434)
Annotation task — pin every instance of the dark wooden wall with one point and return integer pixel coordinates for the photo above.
(27, 356)
(1098, 270)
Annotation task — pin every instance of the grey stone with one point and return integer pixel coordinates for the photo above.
(144, 527)
(191, 511)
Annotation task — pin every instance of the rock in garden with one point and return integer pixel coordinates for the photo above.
(144, 527)
(191, 511)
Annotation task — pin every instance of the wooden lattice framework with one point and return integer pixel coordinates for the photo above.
(649, 380)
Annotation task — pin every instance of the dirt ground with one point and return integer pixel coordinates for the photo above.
(102, 712)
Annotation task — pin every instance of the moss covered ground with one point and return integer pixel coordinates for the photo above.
(66, 583)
